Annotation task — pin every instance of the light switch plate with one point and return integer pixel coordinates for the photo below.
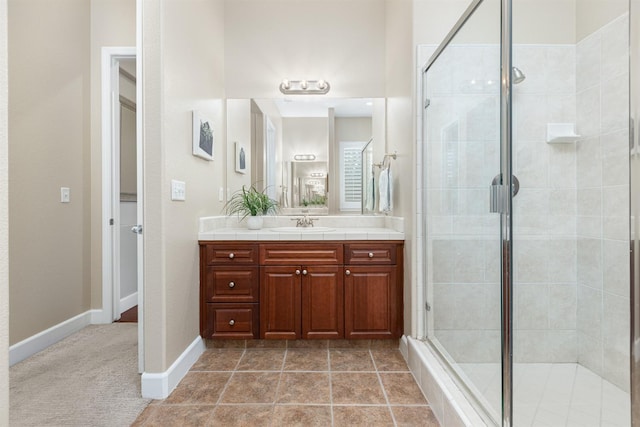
(221, 194)
(65, 195)
(178, 190)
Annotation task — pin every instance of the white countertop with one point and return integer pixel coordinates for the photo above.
(342, 227)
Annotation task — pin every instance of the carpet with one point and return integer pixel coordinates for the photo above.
(88, 379)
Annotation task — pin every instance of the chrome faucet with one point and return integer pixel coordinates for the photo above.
(305, 221)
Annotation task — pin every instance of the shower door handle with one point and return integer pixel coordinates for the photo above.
(497, 194)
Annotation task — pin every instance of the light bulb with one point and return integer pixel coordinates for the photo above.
(304, 85)
(321, 84)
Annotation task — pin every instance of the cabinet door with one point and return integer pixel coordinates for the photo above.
(322, 302)
(280, 302)
(372, 302)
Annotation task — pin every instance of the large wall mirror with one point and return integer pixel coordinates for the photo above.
(311, 154)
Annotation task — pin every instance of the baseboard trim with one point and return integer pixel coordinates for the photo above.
(160, 385)
(128, 302)
(38, 342)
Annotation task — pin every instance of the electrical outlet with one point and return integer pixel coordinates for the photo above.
(65, 195)
(178, 190)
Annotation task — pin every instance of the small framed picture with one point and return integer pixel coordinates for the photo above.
(202, 136)
(241, 158)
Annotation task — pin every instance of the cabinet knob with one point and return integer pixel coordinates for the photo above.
(348, 272)
(232, 285)
(297, 272)
(231, 255)
(370, 254)
(304, 272)
(232, 322)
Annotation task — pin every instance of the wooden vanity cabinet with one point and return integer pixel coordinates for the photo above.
(301, 291)
(229, 291)
(373, 290)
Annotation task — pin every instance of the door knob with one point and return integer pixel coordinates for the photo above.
(232, 285)
(370, 254)
(348, 272)
(297, 272)
(304, 272)
(231, 255)
(232, 322)
(137, 229)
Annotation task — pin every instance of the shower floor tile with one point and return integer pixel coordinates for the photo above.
(554, 395)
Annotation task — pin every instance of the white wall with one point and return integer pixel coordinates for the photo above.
(4, 223)
(336, 40)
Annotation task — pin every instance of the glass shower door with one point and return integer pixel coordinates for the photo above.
(462, 244)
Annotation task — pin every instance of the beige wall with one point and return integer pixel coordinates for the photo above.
(58, 87)
(534, 21)
(400, 137)
(4, 223)
(305, 135)
(593, 14)
(113, 23)
(49, 127)
(341, 41)
(176, 81)
(238, 130)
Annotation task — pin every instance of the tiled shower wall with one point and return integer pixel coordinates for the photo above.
(571, 215)
(544, 230)
(462, 158)
(602, 83)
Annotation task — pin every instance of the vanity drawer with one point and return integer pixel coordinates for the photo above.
(231, 284)
(232, 321)
(301, 253)
(240, 253)
(370, 253)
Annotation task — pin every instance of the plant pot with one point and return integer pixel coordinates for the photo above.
(254, 222)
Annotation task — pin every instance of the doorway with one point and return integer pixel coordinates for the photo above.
(121, 190)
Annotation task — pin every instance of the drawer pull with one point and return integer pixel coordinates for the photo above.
(297, 272)
(232, 322)
(370, 254)
(231, 255)
(304, 272)
(232, 285)
(348, 272)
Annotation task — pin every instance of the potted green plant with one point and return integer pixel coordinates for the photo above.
(252, 203)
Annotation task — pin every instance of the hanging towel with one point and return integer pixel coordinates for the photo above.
(370, 195)
(385, 184)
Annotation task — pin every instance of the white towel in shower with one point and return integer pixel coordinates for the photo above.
(385, 184)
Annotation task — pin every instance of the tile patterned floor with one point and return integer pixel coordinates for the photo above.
(296, 383)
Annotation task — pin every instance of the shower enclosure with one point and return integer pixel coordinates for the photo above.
(525, 136)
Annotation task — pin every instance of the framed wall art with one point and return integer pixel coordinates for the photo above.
(241, 158)
(202, 136)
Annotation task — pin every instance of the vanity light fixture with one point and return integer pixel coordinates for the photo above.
(304, 87)
(317, 174)
(307, 157)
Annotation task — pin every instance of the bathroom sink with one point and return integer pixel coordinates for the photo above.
(301, 229)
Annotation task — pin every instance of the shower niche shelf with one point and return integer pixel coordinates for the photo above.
(561, 133)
